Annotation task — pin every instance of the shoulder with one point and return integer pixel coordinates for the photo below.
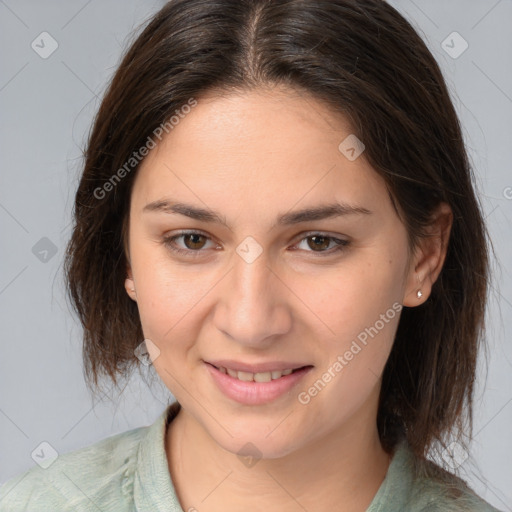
(430, 495)
(415, 485)
(435, 489)
(78, 480)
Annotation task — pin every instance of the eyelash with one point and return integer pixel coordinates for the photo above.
(169, 243)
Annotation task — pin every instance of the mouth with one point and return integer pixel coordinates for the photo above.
(267, 376)
(268, 383)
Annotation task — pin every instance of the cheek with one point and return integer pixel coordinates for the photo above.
(352, 298)
(353, 363)
(169, 297)
(360, 307)
(164, 302)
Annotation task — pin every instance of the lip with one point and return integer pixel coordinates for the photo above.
(256, 393)
(256, 368)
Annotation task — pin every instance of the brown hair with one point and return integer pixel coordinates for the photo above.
(351, 55)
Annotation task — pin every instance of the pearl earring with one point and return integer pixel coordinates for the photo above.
(419, 294)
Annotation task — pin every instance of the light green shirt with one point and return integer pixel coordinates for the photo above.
(128, 472)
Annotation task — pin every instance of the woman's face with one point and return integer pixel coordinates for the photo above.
(268, 281)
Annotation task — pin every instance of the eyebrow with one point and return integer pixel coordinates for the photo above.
(320, 212)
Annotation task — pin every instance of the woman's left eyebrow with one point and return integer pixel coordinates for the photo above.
(320, 212)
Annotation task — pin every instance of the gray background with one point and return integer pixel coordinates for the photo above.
(47, 107)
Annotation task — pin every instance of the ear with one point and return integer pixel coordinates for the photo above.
(429, 256)
(129, 284)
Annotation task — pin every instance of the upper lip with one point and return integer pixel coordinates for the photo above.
(256, 368)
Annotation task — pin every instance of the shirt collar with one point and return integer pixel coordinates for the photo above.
(397, 483)
(152, 487)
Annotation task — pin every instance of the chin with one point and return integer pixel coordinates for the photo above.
(249, 441)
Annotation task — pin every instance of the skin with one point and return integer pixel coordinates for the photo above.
(252, 156)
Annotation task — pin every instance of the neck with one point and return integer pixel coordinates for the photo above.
(341, 471)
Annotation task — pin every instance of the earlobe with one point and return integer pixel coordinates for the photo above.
(419, 292)
(129, 285)
(429, 257)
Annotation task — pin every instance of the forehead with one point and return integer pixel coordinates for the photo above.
(257, 148)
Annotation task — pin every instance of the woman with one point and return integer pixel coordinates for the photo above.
(277, 212)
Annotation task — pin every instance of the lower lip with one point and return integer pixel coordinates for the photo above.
(255, 393)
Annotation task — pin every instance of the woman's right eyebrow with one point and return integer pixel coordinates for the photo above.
(194, 212)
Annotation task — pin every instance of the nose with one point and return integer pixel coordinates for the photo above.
(252, 308)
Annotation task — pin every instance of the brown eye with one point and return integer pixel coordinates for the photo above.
(192, 243)
(319, 242)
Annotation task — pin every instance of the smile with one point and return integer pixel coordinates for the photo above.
(255, 388)
(256, 377)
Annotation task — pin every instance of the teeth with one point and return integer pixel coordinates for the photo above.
(245, 376)
(263, 377)
(256, 377)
